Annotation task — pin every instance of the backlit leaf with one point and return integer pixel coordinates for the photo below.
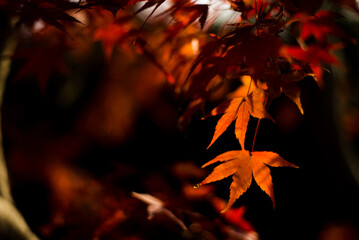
(243, 165)
(239, 110)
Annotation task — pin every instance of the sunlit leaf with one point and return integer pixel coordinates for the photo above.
(242, 165)
(239, 110)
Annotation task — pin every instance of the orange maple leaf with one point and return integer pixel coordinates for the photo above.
(243, 165)
(239, 110)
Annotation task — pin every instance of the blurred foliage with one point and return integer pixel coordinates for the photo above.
(105, 98)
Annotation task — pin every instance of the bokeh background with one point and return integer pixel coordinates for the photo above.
(79, 139)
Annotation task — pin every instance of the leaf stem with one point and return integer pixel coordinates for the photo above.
(259, 121)
(249, 86)
(255, 135)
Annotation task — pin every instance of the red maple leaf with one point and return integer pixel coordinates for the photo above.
(321, 26)
(51, 12)
(111, 5)
(314, 56)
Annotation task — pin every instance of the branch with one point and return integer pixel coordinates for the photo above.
(12, 224)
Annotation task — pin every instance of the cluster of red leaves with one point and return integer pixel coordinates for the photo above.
(253, 46)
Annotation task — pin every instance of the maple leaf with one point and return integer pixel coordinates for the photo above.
(52, 13)
(314, 55)
(207, 50)
(148, 4)
(111, 5)
(321, 26)
(240, 6)
(244, 46)
(252, 8)
(285, 83)
(185, 14)
(189, 14)
(243, 166)
(239, 110)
